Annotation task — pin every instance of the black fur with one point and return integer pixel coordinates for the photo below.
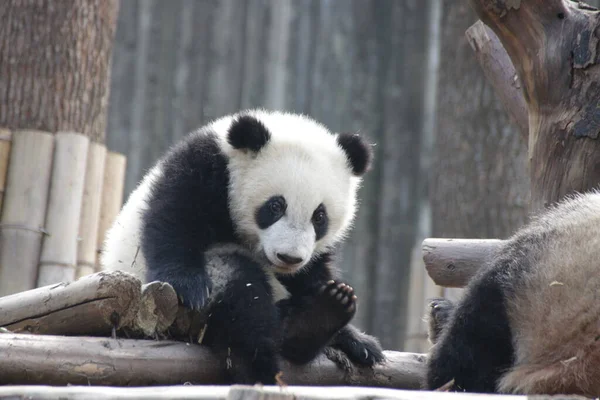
(475, 345)
(248, 133)
(187, 213)
(304, 343)
(358, 151)
(270, 212)
(440, 311)
(361, 348)
(243, 324)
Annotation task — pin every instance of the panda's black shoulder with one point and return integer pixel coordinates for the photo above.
(191, 192)
(198, 153)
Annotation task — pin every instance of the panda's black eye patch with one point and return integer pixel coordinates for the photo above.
(270, 211)
(320, 221)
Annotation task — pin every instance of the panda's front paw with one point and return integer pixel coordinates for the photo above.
(440, 310)
(360, 348)
(193, 298)
(337, 301)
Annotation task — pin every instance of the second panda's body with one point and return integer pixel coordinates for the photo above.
(529, 322)
(242, 218)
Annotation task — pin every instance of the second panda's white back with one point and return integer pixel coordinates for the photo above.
(554, 308)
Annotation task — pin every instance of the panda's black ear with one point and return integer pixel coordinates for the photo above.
(357, 150)
(248, 133)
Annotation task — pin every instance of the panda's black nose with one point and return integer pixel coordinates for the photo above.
(286, 258)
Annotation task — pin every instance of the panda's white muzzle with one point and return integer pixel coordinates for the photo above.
(287, 247)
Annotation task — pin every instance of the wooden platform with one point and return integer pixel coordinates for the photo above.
(241, 392)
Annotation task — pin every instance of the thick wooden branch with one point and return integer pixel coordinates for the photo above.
(453, 262)
(92, 305)
(95, 305)
(553, 47)
(500, 72)
(58, 360)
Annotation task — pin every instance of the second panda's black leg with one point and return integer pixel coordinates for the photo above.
(310, 322)
(475, 347)
(243, 324)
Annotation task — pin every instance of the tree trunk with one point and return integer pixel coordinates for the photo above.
(54, 64)
(560, 86)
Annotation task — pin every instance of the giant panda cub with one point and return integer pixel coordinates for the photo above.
(242, 218)
(529, 322)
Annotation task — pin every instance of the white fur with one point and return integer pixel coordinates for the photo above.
(121, 249)
(555, 310)
(220, 273)
(302, 162)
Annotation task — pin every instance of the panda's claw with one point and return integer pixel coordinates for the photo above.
(340, 297)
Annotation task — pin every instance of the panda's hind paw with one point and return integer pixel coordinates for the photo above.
(337, 299)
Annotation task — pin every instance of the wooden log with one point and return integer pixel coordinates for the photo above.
(157, 311)
(60, 360)
(98, 303)
(58, 259)
(24, 209)
(190, 392)
(553, 44)
(452, 262)
(112, 196)
(500, 72)
(5, 139)
(92, 305)
(90, 210)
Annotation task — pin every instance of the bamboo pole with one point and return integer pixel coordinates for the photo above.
(24, 209)
(90, 210)
(5, 138)
(112, 196)
(59, 249)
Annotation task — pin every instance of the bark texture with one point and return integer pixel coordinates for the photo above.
(61, 360)
(54, 64)
(553, 45)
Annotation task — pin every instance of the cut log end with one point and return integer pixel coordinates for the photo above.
(453, 262)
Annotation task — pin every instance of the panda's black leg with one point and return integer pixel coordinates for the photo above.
(243, 324)
(438, 315)
(475, 347)
(309, 323)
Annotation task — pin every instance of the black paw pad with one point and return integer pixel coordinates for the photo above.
(340, 296)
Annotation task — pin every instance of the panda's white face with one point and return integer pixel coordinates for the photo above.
(293, 205)
(296, 196)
